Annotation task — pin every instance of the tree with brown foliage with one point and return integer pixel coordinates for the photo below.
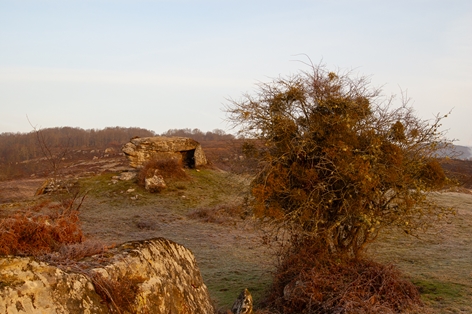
(340, 161)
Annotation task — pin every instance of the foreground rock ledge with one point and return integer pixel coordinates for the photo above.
(169, 281)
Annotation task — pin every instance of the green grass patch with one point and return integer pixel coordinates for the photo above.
(227, 288)
(115, 191)
(435, 290)
(205, 188)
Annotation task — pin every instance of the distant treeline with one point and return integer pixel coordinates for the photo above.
(200, 136)
(17, 147)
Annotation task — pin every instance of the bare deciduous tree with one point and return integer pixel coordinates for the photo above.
(53, 158)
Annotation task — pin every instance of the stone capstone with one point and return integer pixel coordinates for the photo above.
(142, 149)
(165, 275)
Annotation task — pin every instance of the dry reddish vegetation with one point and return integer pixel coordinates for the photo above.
(52, 233)
(34, 232)
(118, 295)
(168, 168)
(310, 280)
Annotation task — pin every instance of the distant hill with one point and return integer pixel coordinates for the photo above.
(457, 152)
(465, 152)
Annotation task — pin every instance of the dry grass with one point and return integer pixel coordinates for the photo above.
(119, 295)
(220, 214)
(70, 255)
(169, 169)
(439, 261)
(232, 257)
(31, 232)
(310, 280)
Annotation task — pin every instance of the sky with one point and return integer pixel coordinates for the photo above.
(165, 64)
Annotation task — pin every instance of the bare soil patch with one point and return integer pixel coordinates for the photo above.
(17, 190)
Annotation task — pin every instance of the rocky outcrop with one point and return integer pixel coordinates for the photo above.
(52, 185)
(142, 149)
(155, 276)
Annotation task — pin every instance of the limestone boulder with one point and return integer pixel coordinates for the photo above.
(155, 183)
(142, 149)
(29, 286)
(127, 176)
(162, 276)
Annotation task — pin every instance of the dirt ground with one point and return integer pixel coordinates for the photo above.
(12, 191)
(231, 254)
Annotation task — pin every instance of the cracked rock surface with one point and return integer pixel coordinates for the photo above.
(170, 281)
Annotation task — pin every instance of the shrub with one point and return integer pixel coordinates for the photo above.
(169, 169)
(340, 161)
(310, 280)
(34, 233)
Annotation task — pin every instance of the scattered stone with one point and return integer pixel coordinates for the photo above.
(243, 304)
(109, 150)
(155, 184)
(127, 176)
(130, 190)
(48, 186)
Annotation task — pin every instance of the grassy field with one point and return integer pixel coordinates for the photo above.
(440, 261)
(203, 214)
(231, 253)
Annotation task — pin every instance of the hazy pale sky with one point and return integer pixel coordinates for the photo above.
(172, 64)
